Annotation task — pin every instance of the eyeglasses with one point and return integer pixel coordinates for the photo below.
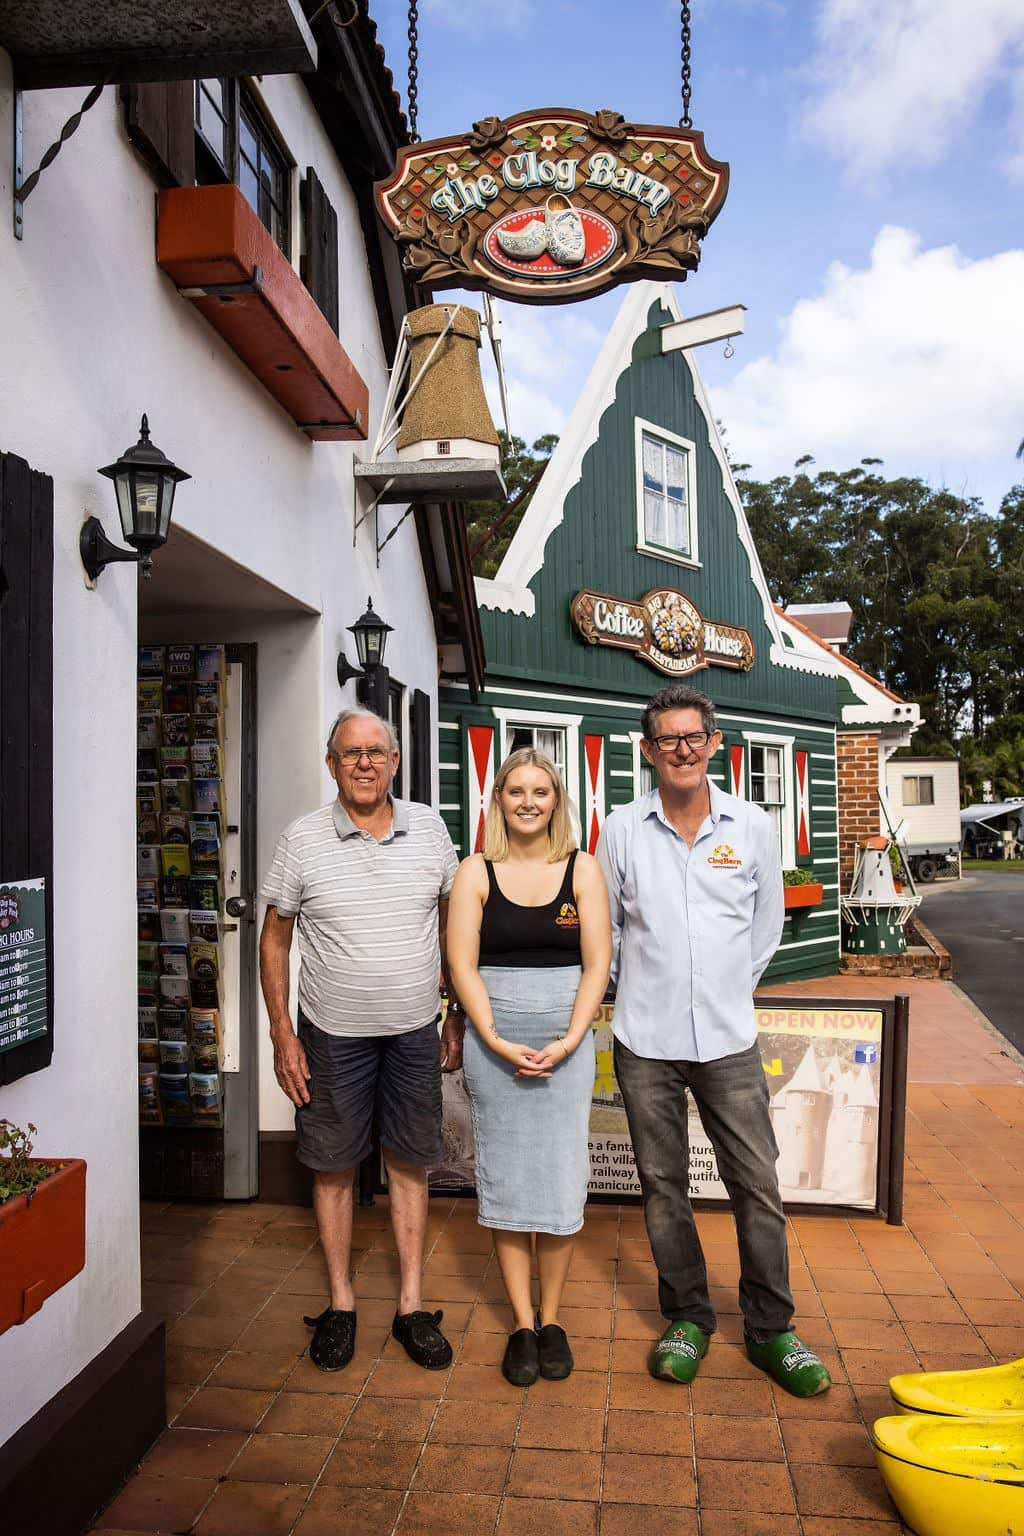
(695, 740)
(350, 755)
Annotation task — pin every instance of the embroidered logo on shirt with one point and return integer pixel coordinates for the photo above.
(567, 917)
(722, 856)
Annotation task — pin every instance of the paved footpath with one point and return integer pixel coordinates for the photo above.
(262, 1444)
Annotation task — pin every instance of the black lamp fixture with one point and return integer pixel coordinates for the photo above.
(145, 481)
(371, 636)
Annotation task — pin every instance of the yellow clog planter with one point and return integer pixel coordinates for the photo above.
(995, 1392)
(954, 1477)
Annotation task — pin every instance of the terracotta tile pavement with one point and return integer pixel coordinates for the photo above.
(261, 1443)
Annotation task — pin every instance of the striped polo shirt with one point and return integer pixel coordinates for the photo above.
(367, 916)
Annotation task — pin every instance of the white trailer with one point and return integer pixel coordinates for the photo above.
(923, 795)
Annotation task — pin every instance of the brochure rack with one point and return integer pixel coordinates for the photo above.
(181, 818)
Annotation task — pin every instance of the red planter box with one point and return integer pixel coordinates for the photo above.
(209, 240)
(809, 895)
(42, 1242)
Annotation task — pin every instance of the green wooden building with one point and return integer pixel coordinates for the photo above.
(634, 566)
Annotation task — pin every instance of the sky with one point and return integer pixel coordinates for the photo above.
(874, 225)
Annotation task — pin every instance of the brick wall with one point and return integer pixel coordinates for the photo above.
(859, 811)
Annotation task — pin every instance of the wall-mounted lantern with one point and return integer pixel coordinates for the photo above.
(144, 481)
(371, 637)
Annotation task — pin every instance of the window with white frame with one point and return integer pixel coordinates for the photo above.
(666, 494)
(918, 789)
(770, 785)
(556, 734)
(543, 738)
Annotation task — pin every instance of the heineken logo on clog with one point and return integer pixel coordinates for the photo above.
(679, 1345)
(552, 205)
(798, 1357)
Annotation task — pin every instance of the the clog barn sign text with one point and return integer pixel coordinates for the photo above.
(553, 205)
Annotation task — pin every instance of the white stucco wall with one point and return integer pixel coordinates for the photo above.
(91, 335)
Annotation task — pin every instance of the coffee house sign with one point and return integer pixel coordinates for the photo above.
(665, 629)
(553, 205)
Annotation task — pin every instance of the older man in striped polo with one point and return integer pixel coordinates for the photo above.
(366, 881)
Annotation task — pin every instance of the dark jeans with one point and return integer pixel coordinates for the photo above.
(732, 1098)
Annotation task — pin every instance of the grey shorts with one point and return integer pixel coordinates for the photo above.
(365, 1084)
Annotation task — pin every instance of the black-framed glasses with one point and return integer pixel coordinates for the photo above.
(377, 755)
(695, 740)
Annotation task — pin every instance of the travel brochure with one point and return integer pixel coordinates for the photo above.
(180, 816)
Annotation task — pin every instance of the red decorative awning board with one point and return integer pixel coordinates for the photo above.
(219, 255)
(480, 782)
(595, 797)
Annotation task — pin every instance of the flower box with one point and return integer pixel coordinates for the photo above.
(218, 254)
(808, 895)
(42, 1241)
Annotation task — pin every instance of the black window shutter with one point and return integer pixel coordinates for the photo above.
(26, 710)
(161, 124)
(321, 264)
(419, 783)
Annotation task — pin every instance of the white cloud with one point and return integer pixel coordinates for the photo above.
(895, 80)
(918, 358)
(481, 15)
(547, 354)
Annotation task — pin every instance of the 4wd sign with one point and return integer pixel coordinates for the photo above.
(665, 629)
(553, 205)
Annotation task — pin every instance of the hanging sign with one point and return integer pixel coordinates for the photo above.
(553, 205)
(665, 629)
(22, 962)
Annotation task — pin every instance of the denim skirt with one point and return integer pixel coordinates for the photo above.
(531, 1134)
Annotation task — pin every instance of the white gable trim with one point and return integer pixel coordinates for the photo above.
(509, 591)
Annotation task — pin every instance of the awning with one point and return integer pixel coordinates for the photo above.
(972, 814)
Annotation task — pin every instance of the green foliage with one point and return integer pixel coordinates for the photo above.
(797, 877)
(518, 465)
(935, 586)
(18, 1174)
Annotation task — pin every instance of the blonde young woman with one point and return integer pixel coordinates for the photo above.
(529, 950)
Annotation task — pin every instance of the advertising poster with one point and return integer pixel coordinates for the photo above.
(822, 1065)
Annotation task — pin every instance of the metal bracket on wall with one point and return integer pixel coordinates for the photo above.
(370, 508)
(390, 535)
(24, 186)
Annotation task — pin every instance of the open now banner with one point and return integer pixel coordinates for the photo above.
(828, 1066)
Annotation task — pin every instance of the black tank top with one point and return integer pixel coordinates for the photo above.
(512, 935)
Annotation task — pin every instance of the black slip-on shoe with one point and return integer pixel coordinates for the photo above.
(556, 1360)
(521, 1365)
(422, 1339)
(334, 1339)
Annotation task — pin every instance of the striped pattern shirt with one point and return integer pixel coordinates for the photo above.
(367, 916)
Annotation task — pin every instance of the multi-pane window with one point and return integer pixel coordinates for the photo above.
(543, 738)
(234, 143)
(918, 789)
(666, 496)
(768, 781)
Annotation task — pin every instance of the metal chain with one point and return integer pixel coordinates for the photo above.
(414, 73)
(686, 121)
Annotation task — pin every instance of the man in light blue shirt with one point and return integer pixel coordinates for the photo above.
(695, 881)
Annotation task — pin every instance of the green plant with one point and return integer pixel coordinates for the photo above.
(19, 1175)
(899, 868)
(797, 877)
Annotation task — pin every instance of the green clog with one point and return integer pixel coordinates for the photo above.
(679, 1352)
(796, 1368)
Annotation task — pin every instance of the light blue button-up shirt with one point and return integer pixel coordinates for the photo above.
(693, 928)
